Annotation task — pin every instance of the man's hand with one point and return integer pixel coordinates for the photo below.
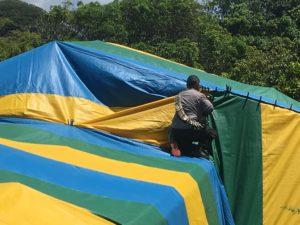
(210, 97)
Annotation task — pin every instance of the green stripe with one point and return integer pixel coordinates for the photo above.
(172, 66)
(239, 156)
(123, 212)
(38, 136)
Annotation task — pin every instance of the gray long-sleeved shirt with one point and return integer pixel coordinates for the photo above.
(195, 105)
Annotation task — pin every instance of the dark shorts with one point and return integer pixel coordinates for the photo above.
(190, 140)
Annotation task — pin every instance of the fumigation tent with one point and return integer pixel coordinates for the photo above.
(83, 137)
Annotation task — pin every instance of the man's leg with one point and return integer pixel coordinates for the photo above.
(183, 142)
(175, 151)
(184, 138)
(205, 138)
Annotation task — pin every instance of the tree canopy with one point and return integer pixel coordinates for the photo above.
(256, 42)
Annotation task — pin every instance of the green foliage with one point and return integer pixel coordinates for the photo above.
(217, 49)
(22, 15)
(6, 25)
(241, 20)
(94, 21)
(17, 20)
(156, 20)
(56, 25)
(18, 42)
(257, 42)
(274, 64)
(182, 51)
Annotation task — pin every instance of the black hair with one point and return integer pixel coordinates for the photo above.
(192, 81)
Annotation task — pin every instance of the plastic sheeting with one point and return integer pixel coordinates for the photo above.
(212, 81)
(238, 155)
(22, 205)
(170, 190)
(281, 154)
(123, 92)
(148, 122)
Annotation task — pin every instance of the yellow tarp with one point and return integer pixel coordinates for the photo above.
(22, 205)
(148, 122)
(281, 173)
(182, 182)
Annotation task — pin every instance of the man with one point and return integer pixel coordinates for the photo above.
(189, 125)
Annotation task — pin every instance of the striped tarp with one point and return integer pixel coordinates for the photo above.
(84, 125)
(74, 129)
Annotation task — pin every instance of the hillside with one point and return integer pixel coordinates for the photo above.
(20, 13)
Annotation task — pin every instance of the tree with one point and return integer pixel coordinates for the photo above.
(18, 42)
(182, 51)
(274, 65)
(56, 24)
(154, 20)
(21, 14)
(6, 25)
(240, 20)
(94, 21)
(218, 48)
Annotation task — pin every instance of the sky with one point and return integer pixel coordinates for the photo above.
(45, 4)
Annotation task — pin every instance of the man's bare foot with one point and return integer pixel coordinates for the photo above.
(175, 151)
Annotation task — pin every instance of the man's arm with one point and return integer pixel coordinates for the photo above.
(180, 111)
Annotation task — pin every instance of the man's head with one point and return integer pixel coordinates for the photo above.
(193, 82)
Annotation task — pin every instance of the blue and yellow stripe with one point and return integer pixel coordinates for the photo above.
(98, 158)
